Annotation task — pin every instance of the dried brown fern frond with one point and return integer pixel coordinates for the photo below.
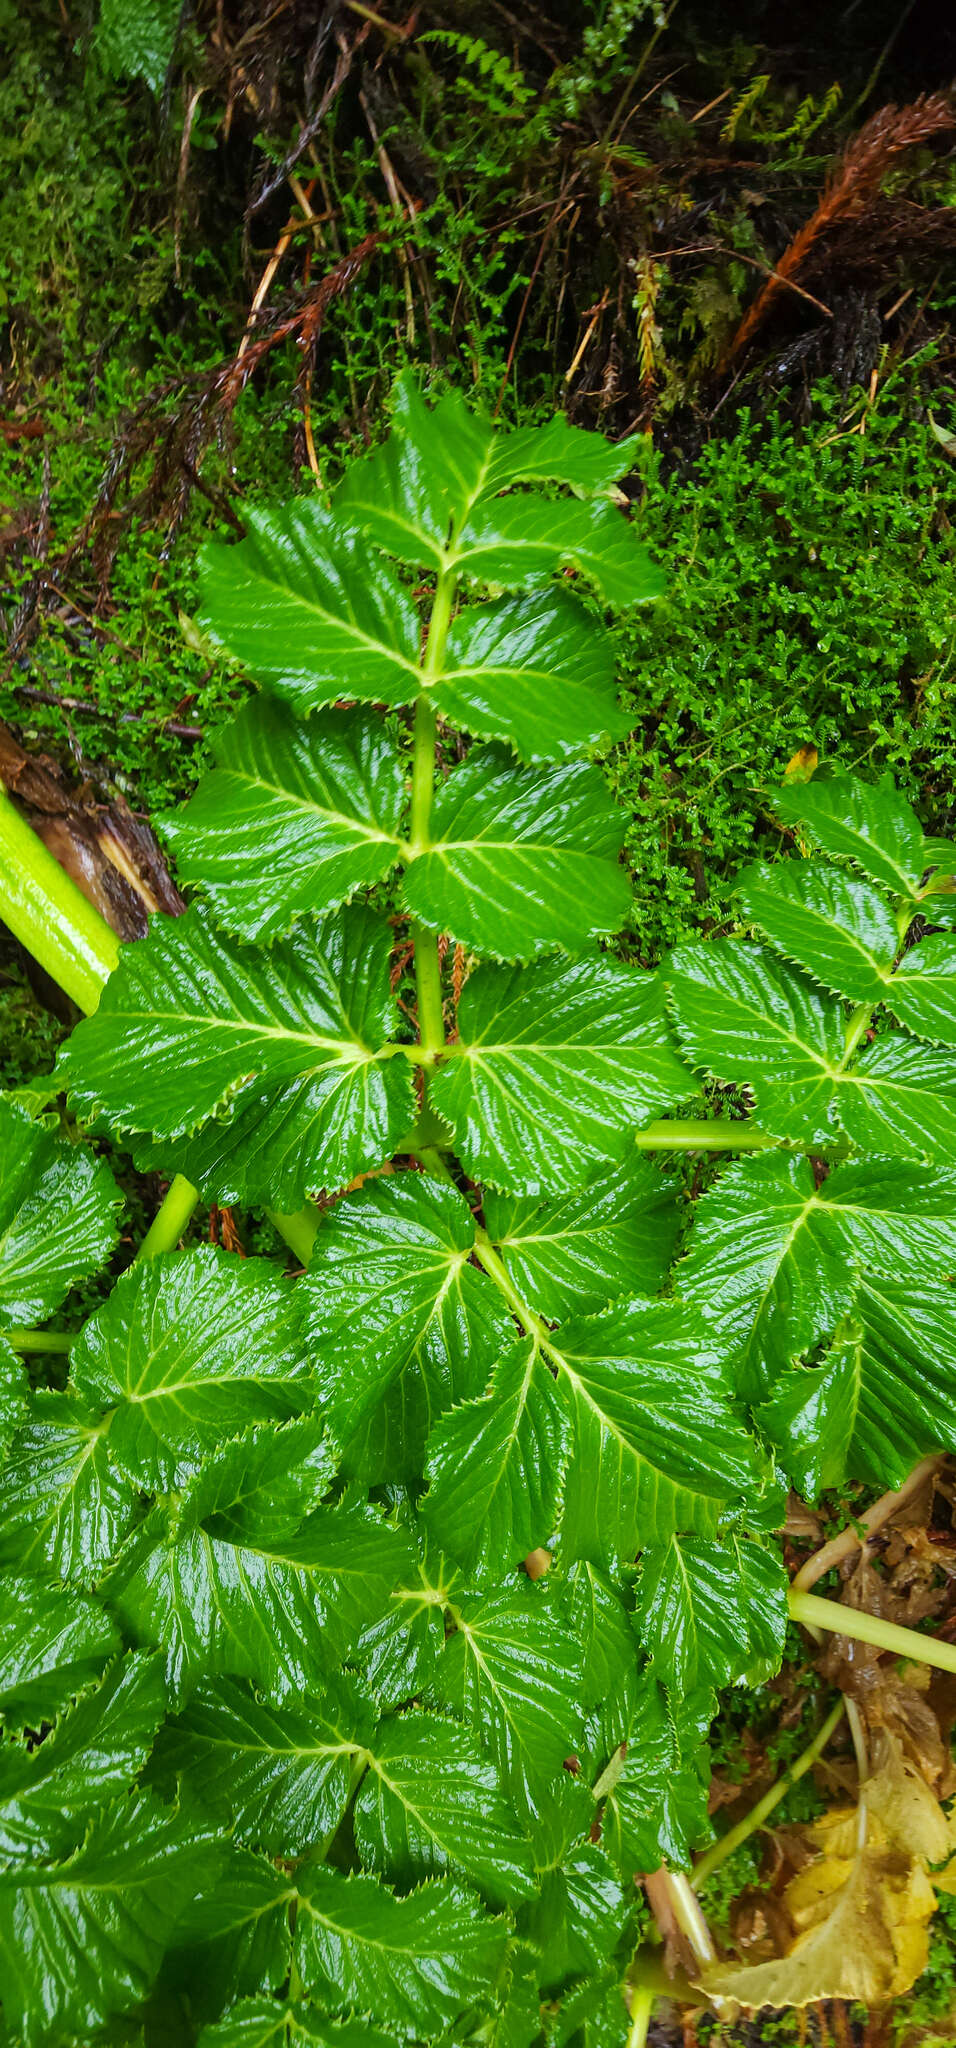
(854, 184)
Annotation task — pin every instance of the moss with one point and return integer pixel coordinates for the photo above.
(809, 603)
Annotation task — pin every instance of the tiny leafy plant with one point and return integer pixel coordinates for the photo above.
(361, 1628)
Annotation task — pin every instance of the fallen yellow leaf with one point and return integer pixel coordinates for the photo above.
(861, 1908)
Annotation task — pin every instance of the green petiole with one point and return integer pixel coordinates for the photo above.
(717, 1854)
(868, 1628)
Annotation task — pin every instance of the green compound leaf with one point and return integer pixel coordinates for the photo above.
(899, 1099)
(295, 816)
(430, 1802)
(235, 1938)
(444, 464)
(603, 1629)
(53, 1643)
(710, 1613)
(842, 932)
(840, 929)
(883, 1397)
(525, 540)
(190, 1348)
(237, 1582)
(398, 1651)
(93, 1753)
(496, 1466)
(923, 991)
(262, 2023)
(411, 508)
(291, 1043)
(578, 1917)
(774, 1260)
(57, 1217)
(521, 861)
(590, 2012)
(657, 1447)
(869, 824)
(514, 1670)
(516, 2020)
(508, 664)
(281, 1774)
(64, 1505)
(656, 1806)
(400, 1325)
(553, 1069)
(614, 1237)
(14, 1389)
(307, 614)
(532, 1744)
(408, 494)
(82, 1939)
(430, 496)
(414, 1964)
(743, 1017)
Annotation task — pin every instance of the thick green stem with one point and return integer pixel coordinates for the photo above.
(858, 1025)
(299, 1230)
(690, 1919)
(868, 1628)
(442, 606)
(52, 918)
(643, 2001)
(431, 1020)
(704, 1134)
(431, 1023)
(26, 1341)
(49, 915)
(753, 1820)
(494, 1266)
(170, 1219)
(423, 773)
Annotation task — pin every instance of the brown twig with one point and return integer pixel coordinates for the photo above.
(737, 256)
(311, 127)
(85, 710)
(848, 1541)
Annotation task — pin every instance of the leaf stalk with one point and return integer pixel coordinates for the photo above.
(49, 915)
(643, 2001)
(814, 1612)
(31, 1341)
(705, 1134)
(717, 1854)
(431, 1022)
(170, 1219)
